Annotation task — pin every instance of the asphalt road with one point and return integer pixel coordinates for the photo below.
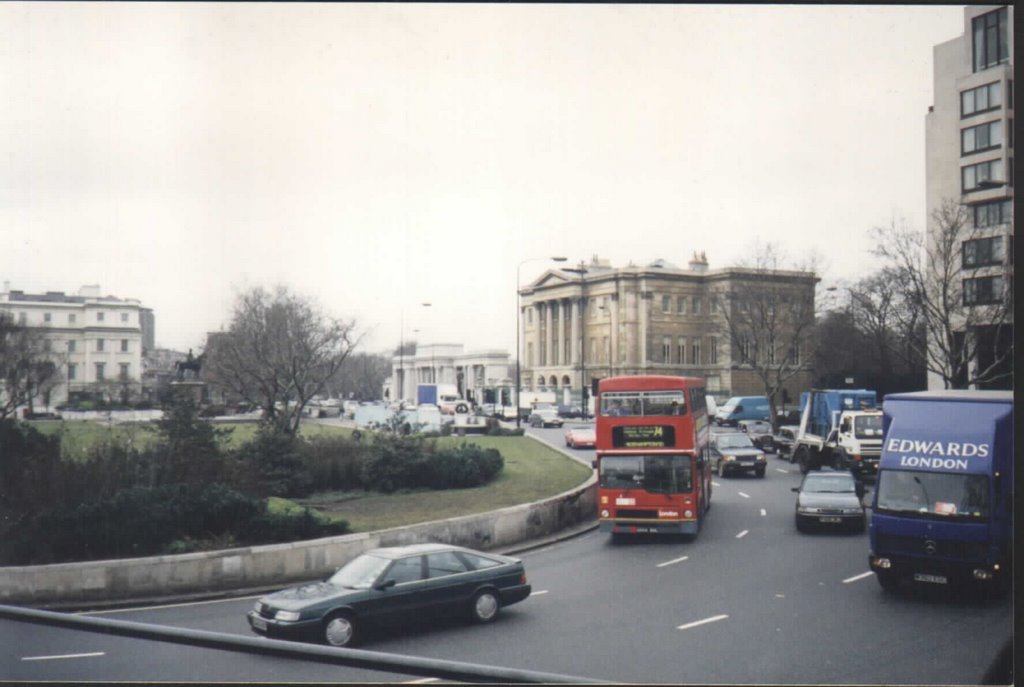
(749, 600)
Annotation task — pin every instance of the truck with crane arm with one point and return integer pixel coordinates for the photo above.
(839, 428)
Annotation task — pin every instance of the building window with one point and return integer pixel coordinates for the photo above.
(974, 177)
(713, 304)
(981, 99)
(985, 136)
(47, 317)
(681, 350)
(666, 349)
(71, 371)
(529, 316)
(991, 39)
(992, 214)
(593, 348)
(100, 375)
(681, 305)
(981, 252)
(99, 317)
(771, 352)
(606, 356)
(983, 290)
(124, 372)
(72, 344)
(696, 305)
(99, 345)
(72, 318)
(47, 345)
(695, 352)
(124, 345)
(529, 354)
(124, 317)
(794, 353)
(22, 319)
(666, 304)
(713, 351)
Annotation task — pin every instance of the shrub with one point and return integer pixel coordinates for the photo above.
(273, 464)
(150, 521)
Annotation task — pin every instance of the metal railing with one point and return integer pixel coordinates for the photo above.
(356, 658)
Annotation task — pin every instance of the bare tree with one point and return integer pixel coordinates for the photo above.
(768, 316)
(27, 368)
(965, 310)
(278, 353)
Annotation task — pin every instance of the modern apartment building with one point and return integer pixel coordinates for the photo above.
(96, 341)
(969, 161)
(595, 321)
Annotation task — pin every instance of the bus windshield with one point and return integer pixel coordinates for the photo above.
(643, 403)
(663, 474)
(936, 493)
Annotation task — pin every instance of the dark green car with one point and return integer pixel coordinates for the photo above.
(393, 585)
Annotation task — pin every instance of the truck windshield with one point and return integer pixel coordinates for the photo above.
(948, 495)
(867, 427)
(657, 474)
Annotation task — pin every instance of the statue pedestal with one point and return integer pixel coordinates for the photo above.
(191, 390)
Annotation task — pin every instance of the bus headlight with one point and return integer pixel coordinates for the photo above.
(688, 513)
(605, 514)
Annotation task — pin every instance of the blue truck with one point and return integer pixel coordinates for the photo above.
(839, 428)
(942, 511)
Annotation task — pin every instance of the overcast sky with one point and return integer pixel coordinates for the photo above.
(376, 156)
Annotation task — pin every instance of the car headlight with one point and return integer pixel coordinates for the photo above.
(852, 510)
(289, 616)
(728, 458)
(807, 509)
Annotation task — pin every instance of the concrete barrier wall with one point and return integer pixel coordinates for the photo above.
(275, 565)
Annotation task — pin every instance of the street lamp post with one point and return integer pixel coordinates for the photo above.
(582, 271)
(518, 380)
(401, 355)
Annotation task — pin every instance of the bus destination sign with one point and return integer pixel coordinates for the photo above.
(643, 436)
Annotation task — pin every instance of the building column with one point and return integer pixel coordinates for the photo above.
(574, 346)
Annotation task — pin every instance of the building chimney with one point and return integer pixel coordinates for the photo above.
(698, 263)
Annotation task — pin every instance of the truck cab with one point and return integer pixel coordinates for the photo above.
(839, 428)
(857, 444)
(942, 507)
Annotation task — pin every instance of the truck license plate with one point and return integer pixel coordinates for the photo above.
(934, 579)
(259, 623)
(830, 519)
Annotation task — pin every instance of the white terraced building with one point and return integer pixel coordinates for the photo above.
(97, 341)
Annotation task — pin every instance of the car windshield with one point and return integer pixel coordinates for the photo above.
(360, 572)
(734, 441)
(659, 474)
(936, 493)
(830, 484)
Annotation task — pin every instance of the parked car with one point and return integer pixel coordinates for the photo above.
(784, 441)
(544, 417)
(760, 432)
(393, 585)
(581, 437)
(735, 452)
(829, 497)
(570, 412)
(743, 408)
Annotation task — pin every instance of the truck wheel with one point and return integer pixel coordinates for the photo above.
(889, 581)
(802, 456)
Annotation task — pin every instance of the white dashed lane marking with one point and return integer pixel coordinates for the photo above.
(702, 622)
(763, 512)
(746, 496)
(674, 560)
(742, 534)
(848, 580)
(63, 656)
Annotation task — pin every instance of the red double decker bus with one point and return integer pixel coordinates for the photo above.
(652, 438)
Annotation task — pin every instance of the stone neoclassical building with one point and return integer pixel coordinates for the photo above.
(447, 363)
(96, 341)
(593, 321)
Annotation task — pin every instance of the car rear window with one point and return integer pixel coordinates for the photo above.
(477, 562)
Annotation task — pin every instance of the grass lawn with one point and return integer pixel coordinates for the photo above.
(532, 471)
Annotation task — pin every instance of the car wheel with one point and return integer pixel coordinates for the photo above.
(801, 526)
(802, 457)
(340, 630)
(759, 472)
(485, 606)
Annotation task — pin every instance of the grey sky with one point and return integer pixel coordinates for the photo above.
(377, 156)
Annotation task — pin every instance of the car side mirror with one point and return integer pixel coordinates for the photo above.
(386, 584)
